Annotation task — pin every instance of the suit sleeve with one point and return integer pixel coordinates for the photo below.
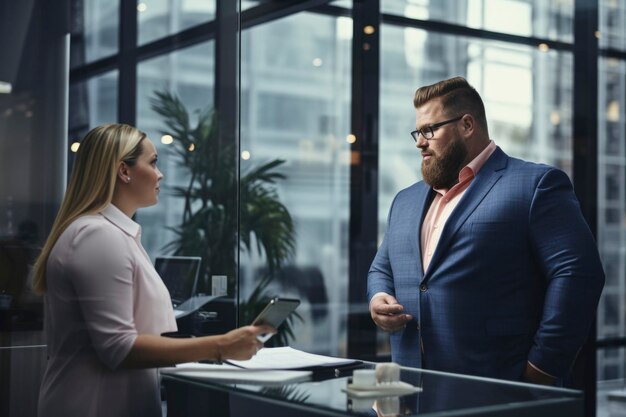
(568, 258)
(380, 274)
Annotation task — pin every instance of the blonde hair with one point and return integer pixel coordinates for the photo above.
(457, 96)
(92, 182)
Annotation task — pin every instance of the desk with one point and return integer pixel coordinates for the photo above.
(443, 394)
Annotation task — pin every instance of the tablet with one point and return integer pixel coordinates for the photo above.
(274, 313)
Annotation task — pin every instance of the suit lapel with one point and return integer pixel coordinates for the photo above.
(488, 175)
(425, 196)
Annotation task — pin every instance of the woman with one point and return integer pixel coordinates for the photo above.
(105, 304)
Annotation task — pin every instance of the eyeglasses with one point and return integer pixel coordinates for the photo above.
(427, 132)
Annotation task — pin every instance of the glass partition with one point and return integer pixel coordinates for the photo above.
(542, 19)
(160, 18)
(95, 30)
(612, 16)
(295, 116)
(611, 186)
(33, 166)
(92, 103)
(197, 211)
(611, 209)
(186, 75)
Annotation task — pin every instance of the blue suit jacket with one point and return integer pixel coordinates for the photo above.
(516, 275)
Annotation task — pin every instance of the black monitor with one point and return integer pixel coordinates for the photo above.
(180, 275)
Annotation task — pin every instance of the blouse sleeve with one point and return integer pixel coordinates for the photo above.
(100, 267)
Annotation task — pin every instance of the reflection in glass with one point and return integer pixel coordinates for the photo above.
(160, 18)
(247, 4)
(295, 106)
(196, 214)
(342, 3)
(94, 30)
(441, 394)
(611, 210)
(187, 73)
(212, 216)
(92, 103)
(611, 16)
(609, 380)
(543, 19)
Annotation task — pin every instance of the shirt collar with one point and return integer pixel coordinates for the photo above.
(118, 218)
(477, 163)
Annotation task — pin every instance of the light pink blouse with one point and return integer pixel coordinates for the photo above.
(102, 292)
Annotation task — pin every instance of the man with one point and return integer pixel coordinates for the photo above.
(487, 266)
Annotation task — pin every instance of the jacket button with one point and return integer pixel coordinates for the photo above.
(423, 287)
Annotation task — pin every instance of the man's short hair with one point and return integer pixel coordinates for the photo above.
(457, 96)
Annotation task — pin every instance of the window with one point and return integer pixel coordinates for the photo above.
(187, 74)
(95, 30)
(551, 20)
(296, 107)
(160, 18)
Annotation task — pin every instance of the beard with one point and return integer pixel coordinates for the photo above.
(442, 171)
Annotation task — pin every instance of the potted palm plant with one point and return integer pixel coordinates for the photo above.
(215, 223)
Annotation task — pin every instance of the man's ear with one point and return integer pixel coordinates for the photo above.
(122, 172)
(469, 125)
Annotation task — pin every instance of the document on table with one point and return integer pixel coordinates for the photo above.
(232, 374)
(289, 358)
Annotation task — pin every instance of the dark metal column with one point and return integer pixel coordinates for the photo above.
(585, 117)
(226, 90)
(226, 105)
(363, 173)
(127, 85)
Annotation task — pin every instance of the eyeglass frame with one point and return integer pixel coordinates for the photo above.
(430, 128)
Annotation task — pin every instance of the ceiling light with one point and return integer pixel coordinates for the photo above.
(5, 87)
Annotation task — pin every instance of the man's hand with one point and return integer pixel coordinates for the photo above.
(387, 313)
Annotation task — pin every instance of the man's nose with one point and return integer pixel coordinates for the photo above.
(421, 142)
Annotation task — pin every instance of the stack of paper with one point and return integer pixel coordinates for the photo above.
(231, 374)
(289, 358)
(391, 389)
(270, 366)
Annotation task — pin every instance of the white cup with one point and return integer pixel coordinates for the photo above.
(364, 378)
(387, 372)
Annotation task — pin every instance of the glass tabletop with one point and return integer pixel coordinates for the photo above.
(440, 393)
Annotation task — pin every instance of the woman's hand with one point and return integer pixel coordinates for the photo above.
(242, 343)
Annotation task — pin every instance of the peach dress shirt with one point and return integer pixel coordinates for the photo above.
(102, 292)
(444, 203)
